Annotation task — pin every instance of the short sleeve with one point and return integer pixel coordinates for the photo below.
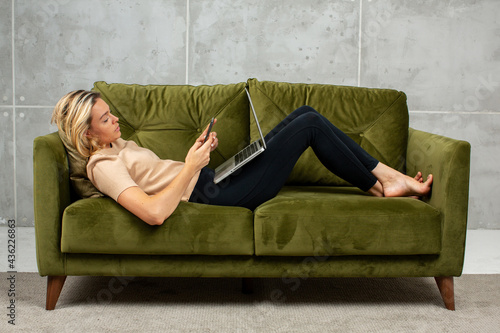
(109, 175)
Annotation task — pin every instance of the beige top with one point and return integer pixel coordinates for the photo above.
(125, 164)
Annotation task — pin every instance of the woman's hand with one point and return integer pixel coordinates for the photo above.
(213, 135)
(199, 154)
(215, 142)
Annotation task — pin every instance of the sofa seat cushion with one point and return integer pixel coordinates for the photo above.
(100, 225)
(330, 221)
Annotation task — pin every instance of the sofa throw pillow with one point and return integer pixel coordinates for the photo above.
(78, 171)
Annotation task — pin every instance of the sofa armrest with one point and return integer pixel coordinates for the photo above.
(449, 161)
(51, 195)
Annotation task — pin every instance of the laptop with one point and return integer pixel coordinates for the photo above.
(245, 155)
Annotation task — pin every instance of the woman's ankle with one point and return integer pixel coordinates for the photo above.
(376, 190)
(385, 173)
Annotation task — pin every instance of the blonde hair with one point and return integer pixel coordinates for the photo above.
(73, 115)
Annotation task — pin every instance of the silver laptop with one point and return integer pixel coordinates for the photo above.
(245, 155)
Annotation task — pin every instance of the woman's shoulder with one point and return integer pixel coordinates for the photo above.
(99, 157)
(116, 147)
(108, 153)
(119, 149)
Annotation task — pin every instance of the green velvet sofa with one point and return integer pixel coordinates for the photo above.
(318, 225)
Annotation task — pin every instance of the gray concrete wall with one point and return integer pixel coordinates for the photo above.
(444, 55)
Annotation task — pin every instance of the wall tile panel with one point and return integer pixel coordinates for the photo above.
(444, 54)
(67, 45)
(7, 186)
(5, 52)
(295, 41)
(30, 123)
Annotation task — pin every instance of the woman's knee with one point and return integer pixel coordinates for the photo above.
(306, 116)
(312, 117)
(306, 109)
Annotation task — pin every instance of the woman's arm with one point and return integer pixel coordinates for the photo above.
(157, 208)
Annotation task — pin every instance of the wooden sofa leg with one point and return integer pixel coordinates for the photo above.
(446, 287)
(54, 287)
(247, 285)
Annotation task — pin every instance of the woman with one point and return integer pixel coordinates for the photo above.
(152, 188)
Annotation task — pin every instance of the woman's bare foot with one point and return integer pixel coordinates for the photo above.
(405, 186)
(396, 184)
(418, 177)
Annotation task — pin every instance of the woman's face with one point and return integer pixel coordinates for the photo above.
(104, 126)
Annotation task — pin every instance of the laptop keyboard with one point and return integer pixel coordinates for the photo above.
(249, 150)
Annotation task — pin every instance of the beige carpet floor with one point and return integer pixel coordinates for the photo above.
(112, 304)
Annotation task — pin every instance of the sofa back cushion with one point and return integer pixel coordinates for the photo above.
(169, 118)
(377, 119)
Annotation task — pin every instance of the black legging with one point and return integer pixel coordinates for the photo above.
(263, 177)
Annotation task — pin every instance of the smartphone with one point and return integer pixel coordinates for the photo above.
(209, 129)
